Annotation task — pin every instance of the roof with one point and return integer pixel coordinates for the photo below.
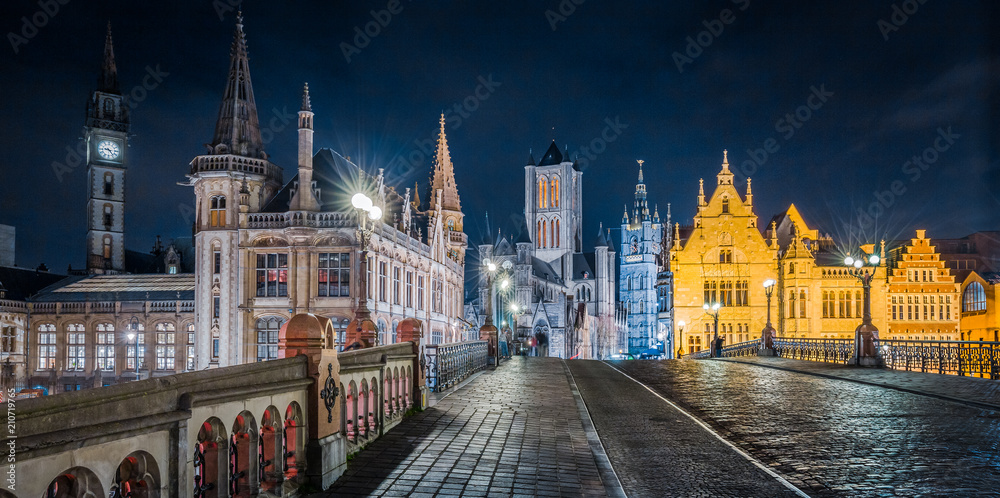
(22, 283)
(544, 270)
(552, 156)
(523, 235)
(583, 263)
(151, 287)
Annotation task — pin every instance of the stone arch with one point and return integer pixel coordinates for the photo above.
(294, 440)
(270, 449)
(351, 410)
(372, 403)
(75, 482)
(397, 392)
(243, 455)
(137, 475)
(362, 406)
(407, 382)
(210, 458)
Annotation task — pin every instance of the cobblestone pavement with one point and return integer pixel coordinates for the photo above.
(659, 451)
(977, 390)
(512, 432)
(833, 437)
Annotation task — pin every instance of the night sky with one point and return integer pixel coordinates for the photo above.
(605, 62)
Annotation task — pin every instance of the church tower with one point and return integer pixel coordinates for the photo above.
(642, 234)
(450, 210)
(233, 178)
(106, 136)
(553, 208)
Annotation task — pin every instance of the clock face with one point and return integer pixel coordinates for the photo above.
(108, 149)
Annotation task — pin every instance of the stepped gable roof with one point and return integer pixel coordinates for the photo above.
(552, 156)
(149, 287)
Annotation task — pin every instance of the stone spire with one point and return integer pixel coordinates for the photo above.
(749, 201)
(304, 198)
(444, 174)
(701, 191)
(640, 210)
(237, 130)
(109, 71)
(306, 103)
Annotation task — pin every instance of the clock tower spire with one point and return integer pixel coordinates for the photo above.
(106, 136)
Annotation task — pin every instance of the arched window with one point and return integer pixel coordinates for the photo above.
(165, 346)
(451, 224)
(542, 194)
(974, 298)
(267, 337)
(538, 238)
(791, 304)
(107, 215)
(109, 183)
(105, 341)
(553, 229)
(555, 192)
(545, 234)
(217, 211)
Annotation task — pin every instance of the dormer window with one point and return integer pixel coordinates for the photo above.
(725, 206)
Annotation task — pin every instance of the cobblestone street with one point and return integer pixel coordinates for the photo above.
(834, 437)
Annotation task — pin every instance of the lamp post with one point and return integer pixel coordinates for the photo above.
(866, 351)
(713, 311)
(488, 332)
(767, 335)
(362, 331)
(680, 339)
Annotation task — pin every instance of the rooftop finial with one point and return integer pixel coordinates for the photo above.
(640, 161)
(306, 103)
(109, 71)
(239, 19)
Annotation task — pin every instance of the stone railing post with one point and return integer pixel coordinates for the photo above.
(411, 330)
(326, 449)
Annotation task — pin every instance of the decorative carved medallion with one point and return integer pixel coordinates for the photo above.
(329, 393)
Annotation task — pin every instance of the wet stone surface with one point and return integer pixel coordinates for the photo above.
(833, 437)
(511, 432)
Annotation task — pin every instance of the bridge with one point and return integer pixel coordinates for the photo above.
(365, 422)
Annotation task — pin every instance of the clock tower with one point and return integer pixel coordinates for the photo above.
(642, 236)
(106, 136)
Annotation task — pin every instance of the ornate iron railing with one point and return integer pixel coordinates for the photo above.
(824, 350)
(978, 358)
(449, 364)
(748, 348)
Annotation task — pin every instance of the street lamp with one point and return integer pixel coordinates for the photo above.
(713, 311)
(680, 339)
(866, 351)
(362, 329)
(768, 334)
(488, 331)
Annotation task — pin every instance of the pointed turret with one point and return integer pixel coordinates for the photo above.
(749, 201)
(237, 130)
(108, 82)
(602, 241)
(725, 176)
(656, 214)
(531, 158)
(701, 191)
(304, 198)
(552, 156)
(444, 174)
(625, 217)
(416, 197)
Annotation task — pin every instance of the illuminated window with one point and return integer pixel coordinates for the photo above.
(165, 351)
(190, 346)
(974, 298)
(76, 353)
(138, 341)
(272, 275)
(555, 192)
(46, 347)
(542, 194)
(105, 346)
(334, 274)
(217, 211)
(267, 337)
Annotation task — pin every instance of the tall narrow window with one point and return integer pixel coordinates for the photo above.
(802, 304)
(105, 340)
(109, 184)
(190, 346)
(217, 211)
(545, 233)
(135, 348)
(555, 192)
(106, 252)
(334, 274)
(383, 279)
(542, 194)
(272, 275)
(216, 262)
(420, 293)
(165, 351)
(857, 304)
(409, 289)
(396, 283)
(558, 235)
(46, 346)
(538, 238)
(725, 206)
(107, 218)
(7, 339)
(76, 353)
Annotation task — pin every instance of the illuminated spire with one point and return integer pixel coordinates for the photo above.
(725, 176)
(306, 103)
(444, 174)
(237, 127)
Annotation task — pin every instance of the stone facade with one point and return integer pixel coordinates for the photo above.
(267, 249)
(639, 285)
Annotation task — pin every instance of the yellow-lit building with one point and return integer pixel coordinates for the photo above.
(975, 261)
(725, 257)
